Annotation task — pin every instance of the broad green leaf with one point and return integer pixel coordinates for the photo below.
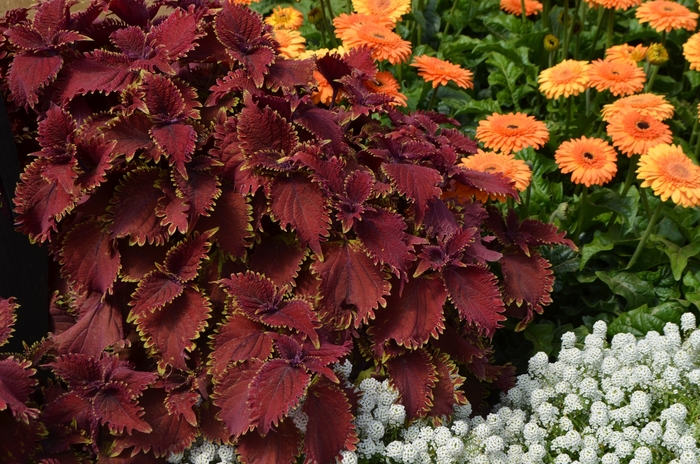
(693, 77)
(692, 293)
(678, 255)
(602, 241)
(541, 335)
(642, 320)
(628, 285)
(609, 200)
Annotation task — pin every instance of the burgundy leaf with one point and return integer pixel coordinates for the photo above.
(8, 317)
(460, 142)
(252, 292)
(279, 258)
(287, 74)
(526, 279)
(172, 208)
(330, 428)
(265, 130)
(276, 389)
(131, 134)
(138, 261)
(28, 73)
(417, 183)
(180, 403)
(56, 129)
(413, 374)
(177, 141)
(19, 440)
(256, 61)
(415, 315)
(297, 202)
(178, 33)
(349, 278)
(459, 348)
(332, 67)
(133, 206)
(99, 326)
(231, 393)
(446, 393)
(232, 216)
(237, 340)
(382, 234)
(134, 12)
(100, 71)
(90, 257)
(170, 434)
(16, 385)
(95, 159)
(171, 330)
(163, 99)
(78, 371)
(324, 125)
(237, 24)
(183, 260)
(485, 181)
(279, 447)
(474, 291)
(154, 291)
(26, 37)
(114, 407)
(294, 314)
(199, 191)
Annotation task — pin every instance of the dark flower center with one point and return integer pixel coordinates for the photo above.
(588, 156)
(490, 168)
(512, 126)
(643, 125)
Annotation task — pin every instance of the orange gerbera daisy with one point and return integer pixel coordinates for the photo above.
(634, 133)
(514, 169)
(570, 77)
(670, 174)
(626, 53)
(665, 15)
(285, 18)
(511, 132)
(324, 91)
(647, 104)
(385, 83)
(291, 43)
(619, 78)
(515, 7)
(440, 72)
(691, 51)
(392, 9)
(385, 44)
(590, 161)
(346, 24)
(618, 4)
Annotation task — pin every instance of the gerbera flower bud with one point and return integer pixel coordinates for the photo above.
(315, 15)
(551, 43)
(657, 54)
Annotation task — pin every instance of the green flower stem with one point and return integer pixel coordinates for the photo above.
(545, 14)
(598, 30)
(565, 38)
(570, 30)
(452, 10)
(646, 235)
(663, 38)
(697, 149)
(523, 16)
(569, 111)
(652, 78)
(583, 200)
(611, 28)
(694, 133)
(645, 201)
(432, 99)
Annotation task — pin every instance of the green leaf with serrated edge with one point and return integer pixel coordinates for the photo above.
(630, 286)
(644, 319)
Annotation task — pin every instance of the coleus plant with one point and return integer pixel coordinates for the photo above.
(221, 242)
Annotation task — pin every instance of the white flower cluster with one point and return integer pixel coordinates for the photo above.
(623, 403)
(205, 452)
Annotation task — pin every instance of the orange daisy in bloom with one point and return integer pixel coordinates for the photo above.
(440, 72)
(385, 83)
(618, 77)
(514, 169)
(346, 24)
(291, 43)
(647, 104)
(626, 53)
(691, 51)
(619, 4)
(324, 91)
(511, 132)
(670, 174)
(385, 44)
(321, 52)
(570, 77)
(516, 8)
(285, 18)
(590, 161)
(665, 15)
(634, 133)
(392, 9)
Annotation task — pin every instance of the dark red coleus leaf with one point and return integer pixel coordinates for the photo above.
(183, 260)
(29, 73)
(131, 133)
(180, 403)
(231, 391)
(332, 67)
(56, 129)
(297, 202)
(177, 141)
(237, 340)
(95, 160)
(155, 290)
(178, 33)
(474, 291)
(170, 434)
(199, 190)
(352, 286)
(413, 374)
(484, 181)
(19, 440)
(419, 184)
(134, 12)
(460, 348)
(133, 205)
(412, 317)
(7, 318)
(90, 257)
(278, 258)
(136, 262)
(324, 125)
(276, 389)
(172, 208)
(446, 393)
(170, 331)
(526, 280)
(279, 447)
(529, 232)
(97, 71)
(113, 406)
(16, 384)
(330, 428)
(287, 74)
(264, 130)
(232, 216)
